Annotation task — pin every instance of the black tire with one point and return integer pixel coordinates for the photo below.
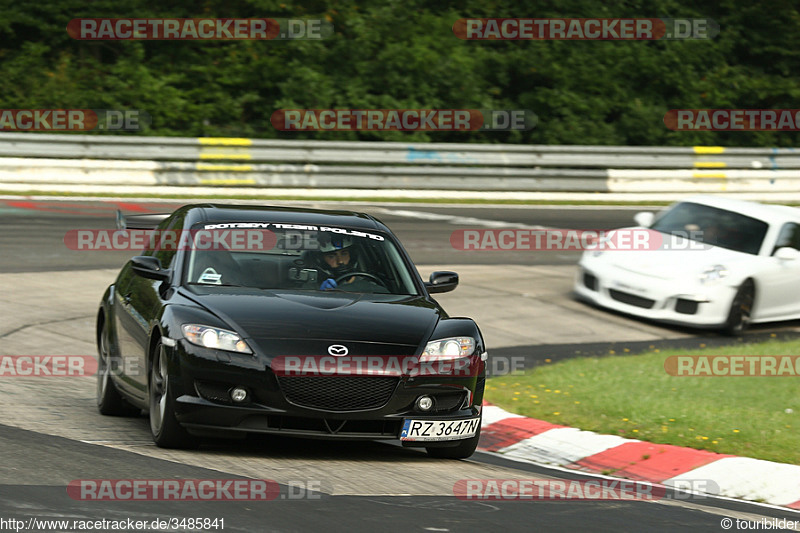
(741, 309)
(109, 401)
(166, 431)
(463, 450)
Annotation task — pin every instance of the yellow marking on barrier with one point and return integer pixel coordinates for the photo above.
(709, 149)
(212, 155)
(710, 164)
(718, 175)
(224, 141)
(229, 182)
(225, 168)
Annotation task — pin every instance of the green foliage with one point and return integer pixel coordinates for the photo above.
(392, 54)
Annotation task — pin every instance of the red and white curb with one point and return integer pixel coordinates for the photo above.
(519, 437)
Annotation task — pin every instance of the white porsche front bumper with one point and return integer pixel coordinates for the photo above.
(687, 303)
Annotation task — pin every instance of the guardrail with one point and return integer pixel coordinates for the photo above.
(151, 161)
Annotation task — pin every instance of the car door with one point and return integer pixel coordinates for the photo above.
(125, 328)
(138, 301)
(779, 291)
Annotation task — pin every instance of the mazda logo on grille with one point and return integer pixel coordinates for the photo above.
(337, 350)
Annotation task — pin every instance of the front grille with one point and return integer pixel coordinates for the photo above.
(631, 299)
(338, 393)
(686, 307)
(590, 281)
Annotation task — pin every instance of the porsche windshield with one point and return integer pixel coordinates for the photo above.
(714, 226)
(296, 257)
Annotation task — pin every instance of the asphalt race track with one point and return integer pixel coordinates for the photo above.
(51, 433)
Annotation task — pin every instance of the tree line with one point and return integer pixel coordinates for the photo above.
(390, 54)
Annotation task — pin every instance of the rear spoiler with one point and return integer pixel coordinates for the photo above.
(148, 221)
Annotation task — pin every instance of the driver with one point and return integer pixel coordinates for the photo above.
(337, 259)
(706, 231)
(712, 231)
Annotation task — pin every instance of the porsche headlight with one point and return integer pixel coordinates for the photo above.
(713, 274)
(218, 339)
(450, 348)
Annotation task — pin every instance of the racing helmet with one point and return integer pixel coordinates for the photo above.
(333, 242)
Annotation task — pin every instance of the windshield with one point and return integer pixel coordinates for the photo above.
(714, 226)
(268, 255)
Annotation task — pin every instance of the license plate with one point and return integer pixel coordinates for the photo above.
(437, 430)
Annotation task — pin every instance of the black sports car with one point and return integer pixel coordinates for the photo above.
(297, 322)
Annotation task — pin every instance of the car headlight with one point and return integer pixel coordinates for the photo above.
(713, 274)
(450, 348)
(218, 339)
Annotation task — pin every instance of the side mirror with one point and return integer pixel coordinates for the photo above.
(786, 253)
(442, 281)
(644, 218)
(149, 267)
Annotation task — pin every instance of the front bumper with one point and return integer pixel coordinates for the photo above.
(201, 383)
(688, 304)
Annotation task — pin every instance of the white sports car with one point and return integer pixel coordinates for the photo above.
(723, 263)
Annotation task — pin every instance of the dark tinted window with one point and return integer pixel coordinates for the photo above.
(269, 255)
(714, 226)
(164, 247)
(789, 236)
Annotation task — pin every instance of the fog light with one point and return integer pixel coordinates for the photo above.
(239, 394)
(424, 403)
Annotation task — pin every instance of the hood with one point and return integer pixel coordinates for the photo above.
(680, 258)
(322, 316)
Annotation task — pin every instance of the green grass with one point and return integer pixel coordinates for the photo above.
(634, 397)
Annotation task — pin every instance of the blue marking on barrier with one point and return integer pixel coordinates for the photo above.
(414, 154)
(772, 159)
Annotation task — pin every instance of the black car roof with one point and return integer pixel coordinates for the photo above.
(287, 215)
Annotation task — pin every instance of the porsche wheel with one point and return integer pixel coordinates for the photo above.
(167, 432)
(741, 309)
